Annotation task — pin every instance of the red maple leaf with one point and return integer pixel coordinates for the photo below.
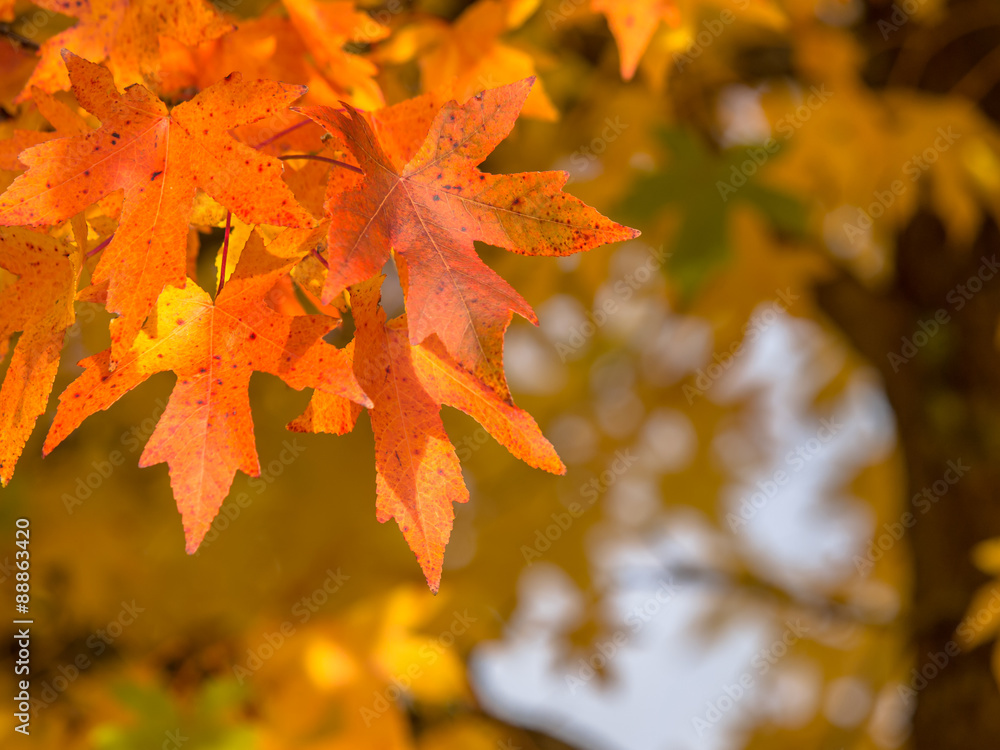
(418, 474)
(430, 207)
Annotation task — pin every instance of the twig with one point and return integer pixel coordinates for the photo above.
(345, 165)
(225, 253)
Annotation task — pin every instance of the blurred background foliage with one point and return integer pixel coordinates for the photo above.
(740, 346)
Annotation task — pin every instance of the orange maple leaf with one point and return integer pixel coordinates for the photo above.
(461, 58)
(418, 473)
(325, 28)
(633, 23)
(61, 117)
(159, 159)
(272, 48)
(429, 209)
(206, 431)
(126, 33)
(40, 304)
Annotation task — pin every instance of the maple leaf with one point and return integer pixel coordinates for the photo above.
(700, 183)
(40, 304)
(462, 58)
(159, 159)
(7, 10)
(431, 207)
(124, 33)
(418, 474)
(250, 49)
(65, 121)
(206, 431)
(325, 28)
(633, 23)
(308, 52)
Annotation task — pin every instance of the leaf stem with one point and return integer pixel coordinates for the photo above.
(225, 253)
(284, 132)
(100, 247)
(16, 39)
(345, 165)
(321, 258)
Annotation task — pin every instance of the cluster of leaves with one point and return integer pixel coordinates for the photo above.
(712, 79)
(397, 183)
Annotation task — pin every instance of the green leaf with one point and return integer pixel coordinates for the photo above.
(704, 186)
